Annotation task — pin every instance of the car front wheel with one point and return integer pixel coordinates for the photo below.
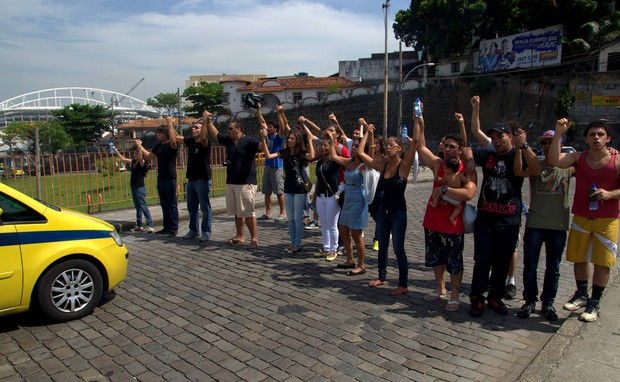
(70, 290)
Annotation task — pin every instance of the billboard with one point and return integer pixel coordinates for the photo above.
(540, 47)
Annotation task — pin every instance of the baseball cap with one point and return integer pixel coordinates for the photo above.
(549, 134)
(501, 128)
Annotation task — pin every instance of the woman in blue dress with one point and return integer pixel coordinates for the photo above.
(354, 212)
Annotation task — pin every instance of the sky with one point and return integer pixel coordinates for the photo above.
(112, 44)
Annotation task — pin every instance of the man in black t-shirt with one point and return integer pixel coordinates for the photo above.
(240, 179)
(166, 153)
(198, 177)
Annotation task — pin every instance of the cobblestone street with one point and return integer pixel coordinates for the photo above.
(189, 311)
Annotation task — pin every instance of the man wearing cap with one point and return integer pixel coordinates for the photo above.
(166, 153)
(198, 177)
(593, 235)
(547, 222)
(498, 221)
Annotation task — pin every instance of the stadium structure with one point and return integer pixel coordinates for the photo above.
(37, 105)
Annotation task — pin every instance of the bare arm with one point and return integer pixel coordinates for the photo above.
(481, 137)
(172, 133)
(334, 121)
(310, 149)
(264, 147)
(333, 153)
(120, 156)
(462, 130)
(204, 129)
(407, 161)
(283, 121)
(308, 122)
(367, 159)
(555, 157)
(145, 153)
(426, 155)
(533, 163)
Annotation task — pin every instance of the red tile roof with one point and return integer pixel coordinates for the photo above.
(302, 82)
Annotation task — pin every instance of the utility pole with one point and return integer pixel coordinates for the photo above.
(179, 107)
(386, 7)
(400, 87)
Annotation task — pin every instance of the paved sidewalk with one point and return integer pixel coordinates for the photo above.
(192, 311)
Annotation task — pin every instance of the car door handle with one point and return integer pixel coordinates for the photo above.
(6, 275)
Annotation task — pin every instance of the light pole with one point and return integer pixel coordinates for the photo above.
(386, 7)
(400, 93)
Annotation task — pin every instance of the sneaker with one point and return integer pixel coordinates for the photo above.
(172, 232)
(526, 310)
(312, 225)
(375, 245)
(162, 232)
(475, 309)
(190, 235)
(548, 311)
(204, 237)
(498, 307)
(331, 257)
(592, 311)
(149, 230)
(576, 302)
(510, 292)
(137, 228)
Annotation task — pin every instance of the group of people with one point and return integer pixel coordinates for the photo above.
(361, 176)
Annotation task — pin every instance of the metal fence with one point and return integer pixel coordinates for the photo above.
(96, 181)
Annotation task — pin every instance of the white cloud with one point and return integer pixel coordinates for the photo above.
(53, 44)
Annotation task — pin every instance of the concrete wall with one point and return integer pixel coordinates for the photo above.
(529, 101)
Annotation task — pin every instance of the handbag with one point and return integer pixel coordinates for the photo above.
(469, 217)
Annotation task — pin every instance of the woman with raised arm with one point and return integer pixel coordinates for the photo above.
(391, 212)
(295, 156)
(327, 173)
(354, 212)
(139, 169)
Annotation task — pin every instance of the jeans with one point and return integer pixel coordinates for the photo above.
(138, 194)
(167, 190)
(554, 240)
(329, 211)
(493, 249)
(294, 204)
(198, 195)
(394, 222)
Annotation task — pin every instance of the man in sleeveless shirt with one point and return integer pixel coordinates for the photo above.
(593, 236)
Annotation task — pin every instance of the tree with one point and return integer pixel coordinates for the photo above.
(14, 132)
(448, 28)
(205, 96)
(595, 34)
(167, 101)
(83, 123)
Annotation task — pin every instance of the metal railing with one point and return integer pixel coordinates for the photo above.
(96, 181)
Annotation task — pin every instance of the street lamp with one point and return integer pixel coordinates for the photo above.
(400, 93)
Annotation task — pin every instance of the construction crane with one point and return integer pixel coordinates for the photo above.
(118, 102)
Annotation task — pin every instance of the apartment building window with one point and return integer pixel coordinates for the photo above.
(456, 67)
(320, 96)
(225, 98)
(297, 97)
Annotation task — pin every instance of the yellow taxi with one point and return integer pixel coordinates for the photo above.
(56, 260)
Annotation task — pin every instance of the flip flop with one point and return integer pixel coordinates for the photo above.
(452, 306)
(399, 291)
(234, 241)
(434, 296)
(375, 283)
(353, 273)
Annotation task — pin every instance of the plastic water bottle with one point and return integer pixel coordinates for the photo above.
(417, 107)
(111, 144)
(524, 210)
(593, 201)
(404, 134)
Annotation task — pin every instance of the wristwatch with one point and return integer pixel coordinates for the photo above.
(525, 146)
(444, 189)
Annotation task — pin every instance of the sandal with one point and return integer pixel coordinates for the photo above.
(253, 245)
(452, 306)
(345, 266)
(234, 241)
(434, 296)
(399, 291)
(375, 283)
